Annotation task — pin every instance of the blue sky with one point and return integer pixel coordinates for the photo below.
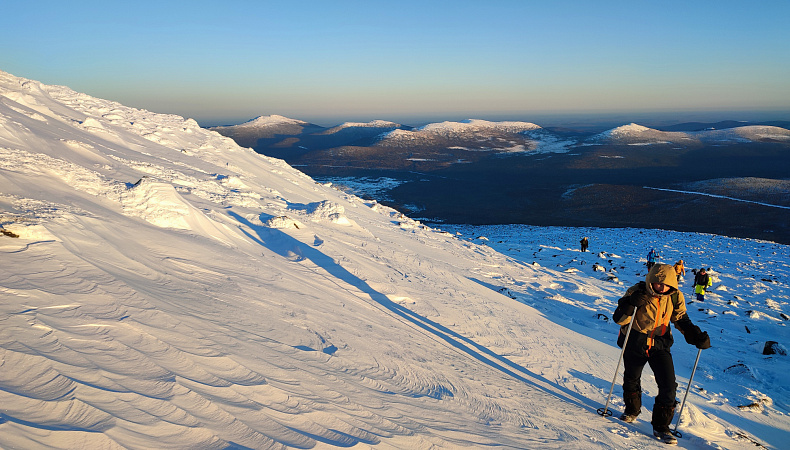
(331, 61)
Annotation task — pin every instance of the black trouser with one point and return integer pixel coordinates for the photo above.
(663, 369)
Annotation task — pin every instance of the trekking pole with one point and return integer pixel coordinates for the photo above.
(675, 431)
(605, 410)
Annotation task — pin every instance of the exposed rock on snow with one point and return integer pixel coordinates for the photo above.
(774, 348)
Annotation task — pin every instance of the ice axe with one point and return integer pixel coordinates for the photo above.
(691, 378)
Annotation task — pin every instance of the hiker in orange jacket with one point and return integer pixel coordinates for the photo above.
(653, 304)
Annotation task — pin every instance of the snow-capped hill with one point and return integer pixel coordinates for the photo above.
(470, 134)
(249, 133)
(761, 133)
(635, 134)
(269, 121)
(628, 130)
(748, 133)
(448, 128)
(371, 124)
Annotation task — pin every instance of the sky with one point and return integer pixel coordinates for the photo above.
(328, 62)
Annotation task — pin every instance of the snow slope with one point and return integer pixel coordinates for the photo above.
(166, 288)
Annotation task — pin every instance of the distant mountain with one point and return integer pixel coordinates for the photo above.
(286, 138)
(701, 126)
(353, 134)
(389, 145)
(519, 172)
(267, 128)
(752, 133)
(468, 134)
(634, 134)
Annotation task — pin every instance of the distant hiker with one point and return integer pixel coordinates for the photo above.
(653, 304)
(680, 268)
(702, 282)
(652, 258)
(584, 243)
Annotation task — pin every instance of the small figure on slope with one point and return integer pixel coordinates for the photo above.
(680, 269)
(653, 304)
(702, 282)
(585, 242)
(652, 258)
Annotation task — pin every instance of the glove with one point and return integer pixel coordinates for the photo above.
(702, 340)
(639, 298)
(624, 309)
(696, 337)
(624, 304)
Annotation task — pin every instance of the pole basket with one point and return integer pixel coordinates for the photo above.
(605, 412)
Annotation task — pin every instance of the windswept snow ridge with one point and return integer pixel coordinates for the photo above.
(165, 288)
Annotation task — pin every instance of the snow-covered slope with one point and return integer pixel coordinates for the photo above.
(163, 287)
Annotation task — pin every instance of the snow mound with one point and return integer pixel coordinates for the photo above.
(159, 204)
(284, 222)
(323, 211)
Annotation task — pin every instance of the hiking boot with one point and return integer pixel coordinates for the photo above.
(628, 418)
(665, 437)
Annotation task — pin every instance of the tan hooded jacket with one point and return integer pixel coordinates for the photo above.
(653, 318)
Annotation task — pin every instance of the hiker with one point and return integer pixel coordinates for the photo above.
(652, 258)
(584, 243)
(680, 269)
(653, 304)
(702, 282)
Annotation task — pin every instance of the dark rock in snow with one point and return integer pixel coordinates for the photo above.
(507, 292)
(740, 369)
(774, 348)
